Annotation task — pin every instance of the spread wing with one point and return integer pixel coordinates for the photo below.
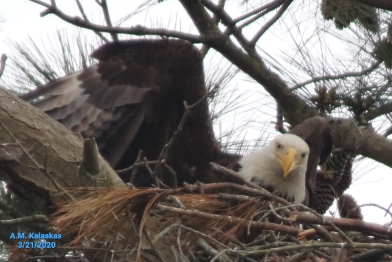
(316, 133)
(133, 100)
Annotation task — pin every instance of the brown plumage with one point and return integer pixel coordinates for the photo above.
(132, 100)
(348, 207)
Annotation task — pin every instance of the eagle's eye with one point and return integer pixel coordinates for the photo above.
(303, 155)
(279, 146)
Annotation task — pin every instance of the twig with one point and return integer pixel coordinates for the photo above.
(313, 246)
(275, 18)
(105, 10)
(136, 164)
(321, 254)
(239, 198)
(134, 30)
(367, 255)
(232, 238)
(255, 11)
(209, 238)
(326, 221)
(213, 252)
(166, 147)
(322, 232)
(231, 28)
(279, 216)
(2, 63)
(152, 174)
(10, 210)
(387, 211)
(345, 223)
(216, 167)
(25, 220)
(268, 9)
(230, 220)
(99, 34)
(335, 77)
(173, 180)
(388, 208)
(152, 245)
(175, 200)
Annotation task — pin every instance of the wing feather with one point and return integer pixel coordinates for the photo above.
(133, 100)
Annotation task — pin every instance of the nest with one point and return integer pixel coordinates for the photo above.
(200, 223)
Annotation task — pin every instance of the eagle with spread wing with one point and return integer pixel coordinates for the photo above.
(133, 100)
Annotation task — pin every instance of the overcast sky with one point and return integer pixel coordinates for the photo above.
(22, 19)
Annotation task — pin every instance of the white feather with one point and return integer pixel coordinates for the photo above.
(263, 167)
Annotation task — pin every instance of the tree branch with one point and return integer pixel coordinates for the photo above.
(296, 110)
(378, 111)
(25, 220)
(361, 140)
(269, 6)
(231, 220)
(335, 77)
(313, 246)
(105, 10)
(275, 18)
(134, 30)
(86, 19)
(343, 223)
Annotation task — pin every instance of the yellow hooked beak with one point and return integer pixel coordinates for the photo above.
(287, 161)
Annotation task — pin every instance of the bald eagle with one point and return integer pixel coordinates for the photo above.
(281, 165)
(133, 100)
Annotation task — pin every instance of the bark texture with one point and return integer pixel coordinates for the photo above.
(41, 159)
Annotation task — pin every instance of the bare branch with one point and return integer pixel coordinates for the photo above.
(335, 77)
(25, 220)
(105, 11)
(275, 18)
(86, 19)
(251, 65)
(231, 27)
(134, 30)
(152, 174)
(269, 6)
(343, 223)
(315, 245)
(231, 220)
(387, 211)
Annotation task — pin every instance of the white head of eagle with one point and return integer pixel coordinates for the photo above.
(281, 164)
